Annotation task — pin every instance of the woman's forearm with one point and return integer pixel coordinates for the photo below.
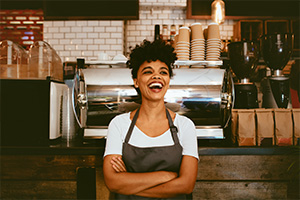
(131, 183)
(165, 190)
(184, 184)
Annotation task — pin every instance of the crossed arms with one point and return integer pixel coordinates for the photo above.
(159, 184)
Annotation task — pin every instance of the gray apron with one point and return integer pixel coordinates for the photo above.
(149, 159)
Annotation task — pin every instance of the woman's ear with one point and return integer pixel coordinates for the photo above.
(135, 83)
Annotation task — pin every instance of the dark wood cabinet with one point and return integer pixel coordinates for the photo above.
(276, 26)
(252, 30)
(248, 30)
(79, 9)
(246, 9)
(295, 28)
(254, 18)
(91, 9)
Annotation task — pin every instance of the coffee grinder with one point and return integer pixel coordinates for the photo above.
(243, 61)
(277, 50)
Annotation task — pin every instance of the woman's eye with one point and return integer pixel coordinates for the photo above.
(164, 72)
(147, 72)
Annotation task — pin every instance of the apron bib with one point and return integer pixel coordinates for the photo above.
(149, 159)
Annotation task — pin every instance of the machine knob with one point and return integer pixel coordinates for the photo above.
(82, 101)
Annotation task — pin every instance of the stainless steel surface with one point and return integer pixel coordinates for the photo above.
(277, 72)
(203, 95)
(245, 80)
(79, 99)
(198, 63)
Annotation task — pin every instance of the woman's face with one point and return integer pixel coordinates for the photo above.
(153, 80)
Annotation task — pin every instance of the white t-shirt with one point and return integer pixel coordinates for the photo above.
(119, 126)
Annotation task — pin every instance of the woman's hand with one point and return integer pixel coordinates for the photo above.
(183, 184)
(117, 164)
(130, 183)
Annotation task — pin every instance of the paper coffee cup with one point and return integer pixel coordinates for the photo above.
(197, 32)
(184, 34)
(213, 31)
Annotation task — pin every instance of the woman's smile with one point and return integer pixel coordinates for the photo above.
(156, 86)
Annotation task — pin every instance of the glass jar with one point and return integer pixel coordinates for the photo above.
(165, 35)
(172, 32)
(13, 60)
(44, 62)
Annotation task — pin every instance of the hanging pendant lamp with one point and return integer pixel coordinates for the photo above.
(218, 11)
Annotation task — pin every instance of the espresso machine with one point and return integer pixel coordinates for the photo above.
(243, 61)
(205, 95)
(277, 50)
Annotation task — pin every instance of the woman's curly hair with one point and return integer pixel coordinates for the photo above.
(151, 51)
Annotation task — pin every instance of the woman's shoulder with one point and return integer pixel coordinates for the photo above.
(183, 120)
(124, 117)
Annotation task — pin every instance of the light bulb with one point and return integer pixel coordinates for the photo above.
(218, 11)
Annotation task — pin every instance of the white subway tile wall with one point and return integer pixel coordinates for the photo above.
(151, 14)
(163, 3)
(72, 39)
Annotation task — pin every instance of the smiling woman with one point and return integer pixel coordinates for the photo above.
(151, 152)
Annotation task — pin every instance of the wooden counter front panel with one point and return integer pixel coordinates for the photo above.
(246, 177)
(45, 167)
(38, 189)
(42, 176)
(240, 190)
(219, 176)
(245, 167)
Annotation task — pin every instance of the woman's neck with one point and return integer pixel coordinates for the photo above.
(152, 110)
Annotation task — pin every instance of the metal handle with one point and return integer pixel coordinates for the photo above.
(79, 100)
(227, 100)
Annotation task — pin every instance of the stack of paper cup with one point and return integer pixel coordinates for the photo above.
(183, 44)
(197, 42)
(213, 43)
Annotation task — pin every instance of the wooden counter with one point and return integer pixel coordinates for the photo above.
(56, 172)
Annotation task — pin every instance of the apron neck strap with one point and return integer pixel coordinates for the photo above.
(173, 128)
(132, 125)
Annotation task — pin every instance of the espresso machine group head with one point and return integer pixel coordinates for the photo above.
(276, 50)
(243, 61)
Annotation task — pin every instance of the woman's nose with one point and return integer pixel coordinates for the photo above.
(156, 76)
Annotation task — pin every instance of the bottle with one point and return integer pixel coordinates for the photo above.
(165, 35)
(172, 32)
(157, 32)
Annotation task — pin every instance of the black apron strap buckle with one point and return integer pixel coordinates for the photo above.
(173, 129)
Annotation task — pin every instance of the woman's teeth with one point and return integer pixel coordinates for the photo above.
(155, 86)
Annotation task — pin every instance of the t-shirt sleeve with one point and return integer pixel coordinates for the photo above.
(114, 141)
(188, 137)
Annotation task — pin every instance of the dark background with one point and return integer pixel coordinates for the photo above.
(78, 9)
